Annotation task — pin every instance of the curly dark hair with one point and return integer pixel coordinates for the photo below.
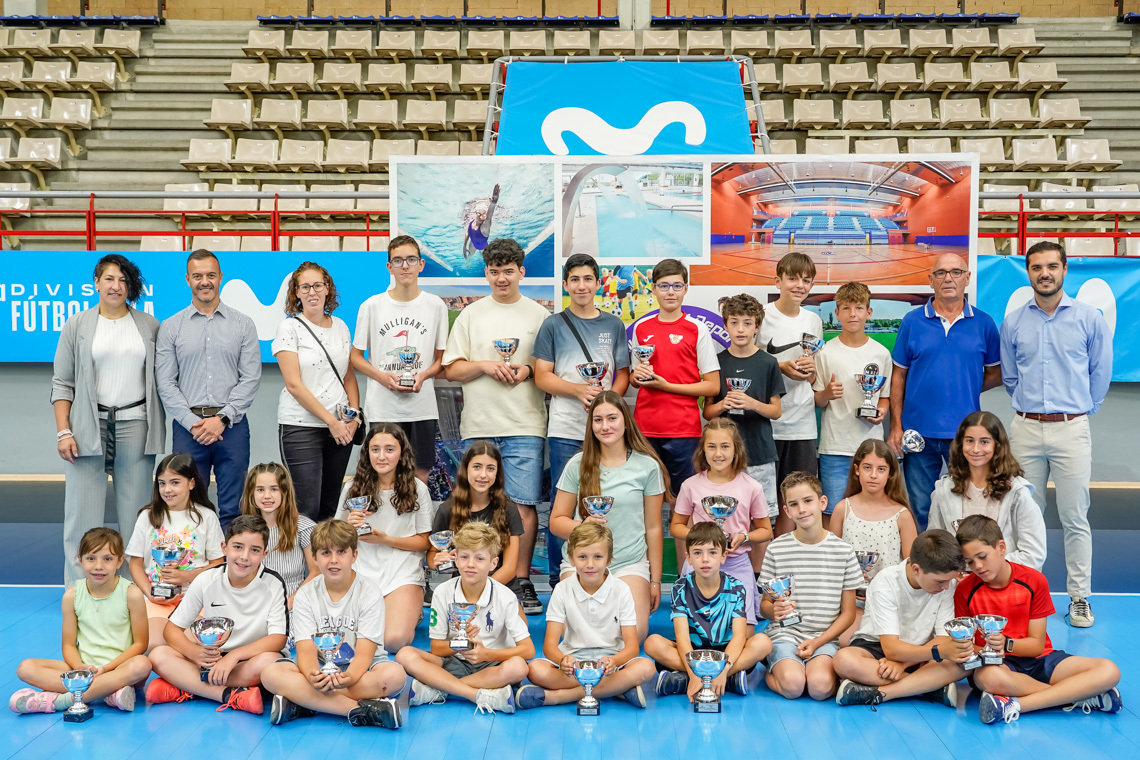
(742, 305)
(293, 301)
(1003, 467)
(502, 252)
(366, 481)
(130, 272)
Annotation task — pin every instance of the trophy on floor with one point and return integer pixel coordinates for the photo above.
(592, 372)
(441, 540)
(360, 504)
(408, 357)
(506, 347)
(163, 556)
(913, 442)
(720, 508)
(706, 665)
(871, 382)
(597, 506)
(459, 614)
(781, 587)
(328, 642)
(738, 384)
(589, 673)
(75, 682)
(810, 344)
(644, 354)
(211, 632)
(962, 629)
(867, 562)
(989, 625)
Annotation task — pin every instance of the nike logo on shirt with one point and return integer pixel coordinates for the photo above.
(217, 604)
(739, 371)
(773, 349)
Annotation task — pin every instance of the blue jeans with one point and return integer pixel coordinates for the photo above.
(921, 471)
(229, 460)
(833, 472)
(561, 449)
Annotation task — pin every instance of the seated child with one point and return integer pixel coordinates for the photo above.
(500, 641)
(1034, 675)
(826, 576)
(347, 602)
(247, 593)
(104, 629)
(902, 648)
(708, 612)
(590, 616)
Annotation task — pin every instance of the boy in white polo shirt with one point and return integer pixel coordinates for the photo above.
(500, 641)
(590, 616)
(250, 595)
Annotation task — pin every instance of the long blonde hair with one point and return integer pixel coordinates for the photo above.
(287, 514)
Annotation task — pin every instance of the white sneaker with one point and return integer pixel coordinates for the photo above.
(422, 694)
(1080, 613)
(492, 700)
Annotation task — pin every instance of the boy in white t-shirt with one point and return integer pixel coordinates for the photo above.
(838, 393)
(403, 319)
(500, 641)
(246, 593)
(901, 649)
(501, 402)
(591, 616)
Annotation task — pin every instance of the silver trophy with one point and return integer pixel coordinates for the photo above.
(506, 347)
(989, 625)
(360, 504)
(706, 665)
(644, 353)
(871, 382)
(810, 344)
(346, 413)
(962, 629)
(592, 373)
(75, 682)
(408, 357)
(867, 562)
(720, 508)
(211, 632)
(163, 556)
(441, 540)
(328, 642)
(589, 673)
(913, 442)
(781, 587)
(597, 506)
(954, 525)
(738, 384)
(459, 614)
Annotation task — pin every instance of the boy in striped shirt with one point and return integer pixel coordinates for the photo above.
(826, 577)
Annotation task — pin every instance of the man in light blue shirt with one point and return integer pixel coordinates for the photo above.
(1056, 363)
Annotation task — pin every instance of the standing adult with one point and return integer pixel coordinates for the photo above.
(947, 352)
(108, 416)
(208, 369)
(315, 430)
(1056, 363)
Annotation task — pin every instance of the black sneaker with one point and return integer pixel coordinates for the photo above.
(527, 595)
(427, 594)
(851, 693)
(283, 711)
(383, 713)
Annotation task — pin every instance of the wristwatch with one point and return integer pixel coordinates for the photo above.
(934, 654)
(1009, 645)
(225, 420)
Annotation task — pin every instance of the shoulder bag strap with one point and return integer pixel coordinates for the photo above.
(574, 331)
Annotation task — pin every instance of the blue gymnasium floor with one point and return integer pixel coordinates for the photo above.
(760, 724)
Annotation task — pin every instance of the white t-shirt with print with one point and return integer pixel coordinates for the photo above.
(842, 431)
(316, 373)
(203, 539)
(780, 336)
(389, 567)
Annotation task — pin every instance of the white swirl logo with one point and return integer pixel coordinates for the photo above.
(1094, 292)
(614, 141)
(238, 294)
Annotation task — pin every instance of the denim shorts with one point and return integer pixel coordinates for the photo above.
(833, 472)
(765, 475)
(786, 650)
(522, 466)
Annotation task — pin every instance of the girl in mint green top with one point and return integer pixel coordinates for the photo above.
(105, 630)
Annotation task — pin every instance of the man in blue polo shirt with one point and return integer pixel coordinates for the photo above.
(947, 352)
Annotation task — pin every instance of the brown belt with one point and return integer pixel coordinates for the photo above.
(205, 411)
(1056, 417)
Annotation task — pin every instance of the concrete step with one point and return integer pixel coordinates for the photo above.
(192, 67)
(165, 84)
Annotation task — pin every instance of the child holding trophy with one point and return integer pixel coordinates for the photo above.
(476, 655)
(1022, 671)
(708, 612)
(182, 523)
(221, 656)
(268, 492)
(104, 631)
(355, 678)
(591, 617)
(721, 477)
(809, 579)
(397, 525)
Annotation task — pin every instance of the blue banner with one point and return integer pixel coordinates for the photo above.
(626, 108)
(43, 288)
(1110, 284)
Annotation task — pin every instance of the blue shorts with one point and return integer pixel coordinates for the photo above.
(786, 650)
(1038, 668)
(522, 466)
(833, 472)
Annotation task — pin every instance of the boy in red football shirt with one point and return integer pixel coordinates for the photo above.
(1035, 676)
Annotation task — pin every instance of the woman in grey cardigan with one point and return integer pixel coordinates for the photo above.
(108, 417)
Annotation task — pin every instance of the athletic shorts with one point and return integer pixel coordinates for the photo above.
(421, 434)
(792, 456)
(1038, 668)
(460, 668)
(876, 651)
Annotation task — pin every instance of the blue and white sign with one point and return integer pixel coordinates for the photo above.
(1112, 285)
(624, 108)
(45, 289)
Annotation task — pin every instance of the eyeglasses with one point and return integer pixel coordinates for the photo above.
(411, 261)
(675, 287)
(957, 274)
(316, 287)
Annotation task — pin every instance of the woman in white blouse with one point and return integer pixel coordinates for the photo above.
(108, 416)
(315, 433)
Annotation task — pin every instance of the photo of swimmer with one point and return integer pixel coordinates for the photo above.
(455, 206)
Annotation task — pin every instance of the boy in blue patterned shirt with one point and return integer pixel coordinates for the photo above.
(707, 610)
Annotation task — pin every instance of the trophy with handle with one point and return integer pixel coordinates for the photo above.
(781, 587)
(459, 615)
(597, 506)
(720, 508)
(738, 384)
(989, 625)
(408, 357)
(871, 382)
(589, 673)
(506, 348)
(644, 353)
(913, 442)
(211, 632)
(962, 629)
(867, 562)
(592, 372)
(75, 682)
(360, 504)
(328, 642)
(810, 344)
(163, 556)
(706, 665)
(441, 540)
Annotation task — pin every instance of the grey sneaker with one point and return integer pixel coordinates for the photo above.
(1108, 701)
(947, 695)
(282, 710)
(671, 682)
(1080, 613)
(851, 693)
(634, 696)
(495, 700)
(422, 694)
(529, 597)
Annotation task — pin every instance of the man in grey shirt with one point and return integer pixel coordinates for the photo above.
(208, 368)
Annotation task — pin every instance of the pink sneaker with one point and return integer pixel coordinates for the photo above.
(124, 699)
(32, 701)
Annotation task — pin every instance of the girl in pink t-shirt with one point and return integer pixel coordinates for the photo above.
(720, 462)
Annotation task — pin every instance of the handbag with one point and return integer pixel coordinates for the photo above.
(362, 428)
